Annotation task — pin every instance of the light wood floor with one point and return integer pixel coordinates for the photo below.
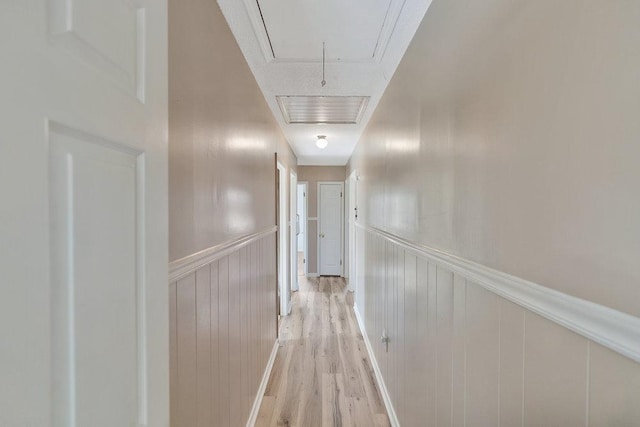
(322, 375)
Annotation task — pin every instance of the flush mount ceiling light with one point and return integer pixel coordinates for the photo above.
(322, 142)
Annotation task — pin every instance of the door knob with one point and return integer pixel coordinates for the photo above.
(322, 235)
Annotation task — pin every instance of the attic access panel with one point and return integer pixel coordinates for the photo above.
(322, 109)
(351, 29)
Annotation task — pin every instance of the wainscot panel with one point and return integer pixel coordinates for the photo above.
(454, 343)
(223, 331)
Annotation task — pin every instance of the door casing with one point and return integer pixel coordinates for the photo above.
(283, 258)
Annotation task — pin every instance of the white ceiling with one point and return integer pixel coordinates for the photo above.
(282, 42)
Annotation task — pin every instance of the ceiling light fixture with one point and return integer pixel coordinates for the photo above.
(322, 142)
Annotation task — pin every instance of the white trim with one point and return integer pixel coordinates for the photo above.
(388, 27)
(611, 328)
(384, 36)
(346, 229)
(351, 191)
(305, 251)
(255, 16)
(318, 205)
(283, 243)
(313, 275)
(184, 266)
(255, 410)
(393, 418)
(293, 237)
(312, 218)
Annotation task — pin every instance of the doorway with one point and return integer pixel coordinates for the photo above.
(302, 235)
(293, 229)
(283, 288)
(351, 206)
(330, 227)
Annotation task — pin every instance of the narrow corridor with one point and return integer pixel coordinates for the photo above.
(322, 374)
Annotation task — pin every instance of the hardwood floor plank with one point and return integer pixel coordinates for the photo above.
(276, 372)
(310, 403)
(266, 411)
(361, 415)
(322, 374)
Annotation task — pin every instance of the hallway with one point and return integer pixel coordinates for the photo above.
(322, 370)
(399, 213)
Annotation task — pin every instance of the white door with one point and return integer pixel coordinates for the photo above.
(302, 221)
(351, 218)
(301, 217)
(330, 228)
(293, 202)
(83, 213)
(283, 284)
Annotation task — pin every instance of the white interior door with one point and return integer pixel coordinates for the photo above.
(83, 217)
(301, 217)
(330, 227)
(351, 218)
(283, 285)
(293, 202)
(302, 221)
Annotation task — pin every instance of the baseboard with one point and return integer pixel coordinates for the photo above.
(313, 275)
(393, 418)
(350, 286)
(253, 415)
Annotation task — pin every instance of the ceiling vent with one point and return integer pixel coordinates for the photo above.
(322, 109)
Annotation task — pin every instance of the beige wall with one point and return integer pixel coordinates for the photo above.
(222, 135)
(222, 141)
(313, 174)
(509, 136)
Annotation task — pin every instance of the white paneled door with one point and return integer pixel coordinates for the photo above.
(83, 213)
(293, 229)
(330, 195)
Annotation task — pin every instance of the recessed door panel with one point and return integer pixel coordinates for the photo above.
(98, 335)
(107, 34)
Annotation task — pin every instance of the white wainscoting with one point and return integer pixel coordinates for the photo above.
(223, 331)
(470, 345)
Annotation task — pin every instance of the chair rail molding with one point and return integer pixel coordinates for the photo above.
(184, 266)
(611, 328)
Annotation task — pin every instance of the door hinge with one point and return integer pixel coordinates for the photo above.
(304, 261)
(341, 194)
(340, 262)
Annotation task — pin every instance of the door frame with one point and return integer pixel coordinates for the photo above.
(351, 216)
(283, 285)
(304, 220)
(293, 237)
(319, 211)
